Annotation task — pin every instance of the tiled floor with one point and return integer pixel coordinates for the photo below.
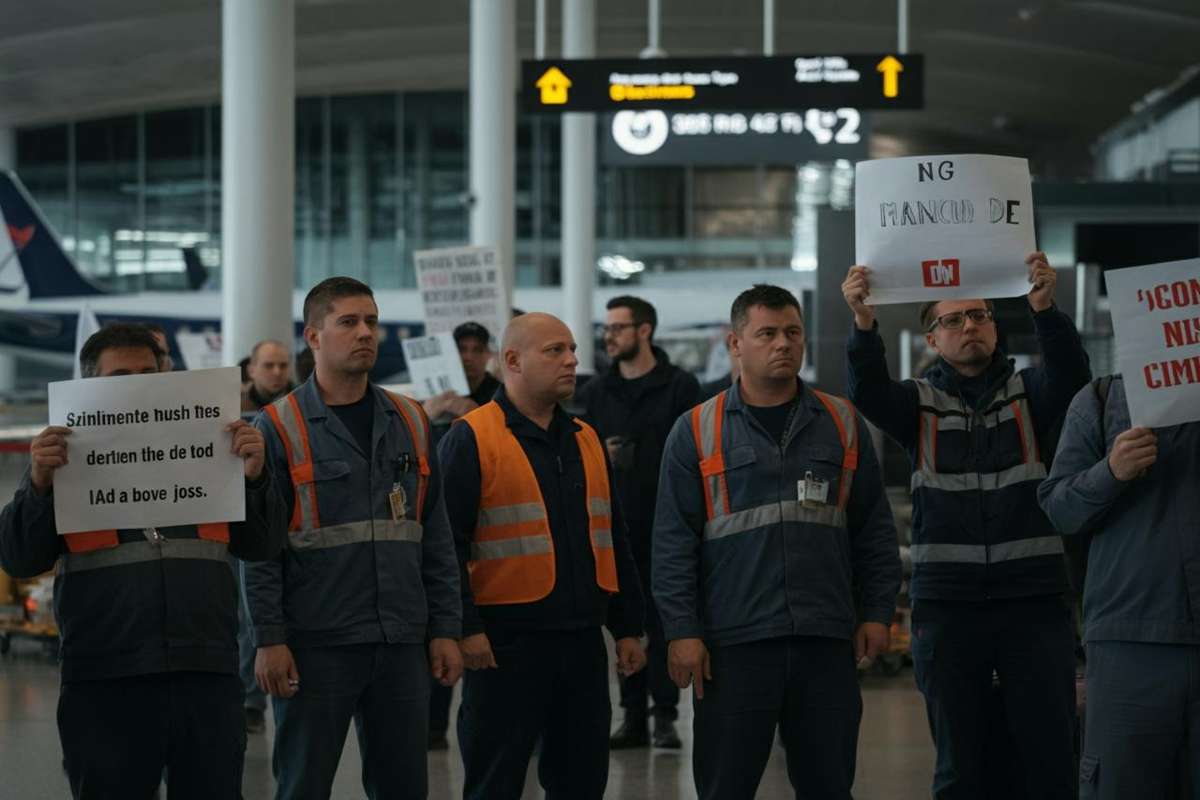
(895, 757)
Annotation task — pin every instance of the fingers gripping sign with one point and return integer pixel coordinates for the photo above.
(47, 452)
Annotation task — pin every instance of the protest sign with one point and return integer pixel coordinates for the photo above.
(148, 451)
(944, 227)
(462, 284)
(434, 366)
(1156, 322)
(199, 350)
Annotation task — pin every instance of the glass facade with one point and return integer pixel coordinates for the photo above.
(379, 176)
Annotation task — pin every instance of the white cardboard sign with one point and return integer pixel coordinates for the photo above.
(434, 366)
(199, 350)
(148, 451)
(1156, 322)
(944, 227)
(462, 284)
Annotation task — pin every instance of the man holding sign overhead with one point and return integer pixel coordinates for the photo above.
(988, 567)
(148, 615)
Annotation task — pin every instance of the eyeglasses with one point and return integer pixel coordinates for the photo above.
(616, 328)
(956, 319)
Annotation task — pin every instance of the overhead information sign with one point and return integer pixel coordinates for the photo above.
(643, 138)
(862, 81)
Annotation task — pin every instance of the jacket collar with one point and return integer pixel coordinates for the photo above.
(308, 395)
(515, 420)
(810, 406)
(945, 377)
(660, 375)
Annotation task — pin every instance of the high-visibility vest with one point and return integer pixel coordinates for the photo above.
(104, 548)
(512, 552)
(285, 414)
(707, 422)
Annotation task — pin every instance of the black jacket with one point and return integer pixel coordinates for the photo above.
(576, 601)
(155, 613)
(641, 412)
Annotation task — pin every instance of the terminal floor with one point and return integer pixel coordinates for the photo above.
(895, 757)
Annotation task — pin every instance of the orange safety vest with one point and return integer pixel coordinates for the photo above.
(289, 422)
(512, 553)
(707, 420)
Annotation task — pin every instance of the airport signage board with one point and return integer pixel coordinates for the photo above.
(862, 81)
(660, 138)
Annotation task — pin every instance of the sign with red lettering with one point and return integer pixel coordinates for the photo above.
(943, 227)
(1156, 321)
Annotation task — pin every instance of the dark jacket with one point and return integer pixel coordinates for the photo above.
(982, 536)
(151, 612)
(361, 577)
(576, 601)
(767, 568)
(640, 412)
(1143, 569)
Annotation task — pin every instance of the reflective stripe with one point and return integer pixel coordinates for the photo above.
(380, 530)
(708, 418)
(984, 554)
(599, 507)
(413, 414)
(772, 514)
(299, 455)
(510, 515)
(972, 481)
(602, 537)
(927, 444)
(933, 398)
(136, 552)
(847, 426)
(510, 548)
(958, 422)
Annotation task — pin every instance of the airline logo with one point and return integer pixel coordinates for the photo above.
(941, 273)
(20, 236)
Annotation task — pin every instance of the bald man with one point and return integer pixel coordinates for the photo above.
(545, 563)
(270, 375)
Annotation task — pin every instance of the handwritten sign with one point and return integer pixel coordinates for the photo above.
(434, 366)
(462, 284)
(944, 227)
(148, 451)
(1156, 320)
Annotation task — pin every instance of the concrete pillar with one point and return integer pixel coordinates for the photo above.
(258, 156)
(493, 125)
(8, 160)
(579, 191)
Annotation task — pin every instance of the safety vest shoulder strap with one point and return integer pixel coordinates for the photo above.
(708, 418)
(843, 414)
(289, 423)
(418, 430)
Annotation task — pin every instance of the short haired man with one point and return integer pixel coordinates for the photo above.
(165, 362)
(543, 547)
(633, 407)
(364, 602)
(988, 568)
(1132, 491)
(270, 375)
(147, 616)
(772, 528)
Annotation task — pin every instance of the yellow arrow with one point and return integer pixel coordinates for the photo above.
(891, 69)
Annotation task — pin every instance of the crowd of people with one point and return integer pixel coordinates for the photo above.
(735, 539)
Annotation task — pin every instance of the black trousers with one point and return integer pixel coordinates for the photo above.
(118, 736)
(1029, 644)
(547, 686)
(807, 686)
(440, 698)
(653, 682)
(384, 688)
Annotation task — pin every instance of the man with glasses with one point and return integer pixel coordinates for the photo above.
(988, 568)
(633, 406)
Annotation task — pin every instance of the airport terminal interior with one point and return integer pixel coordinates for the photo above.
(198, 166)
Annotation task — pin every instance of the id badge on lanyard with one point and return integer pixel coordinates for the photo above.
(812, 492)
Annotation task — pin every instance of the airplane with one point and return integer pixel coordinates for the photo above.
(38, 317)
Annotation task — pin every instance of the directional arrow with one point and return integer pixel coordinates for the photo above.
(891, 69)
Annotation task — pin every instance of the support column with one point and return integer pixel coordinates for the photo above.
(258, 157)
(579, 191)
(493, 122)
(8, 160)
